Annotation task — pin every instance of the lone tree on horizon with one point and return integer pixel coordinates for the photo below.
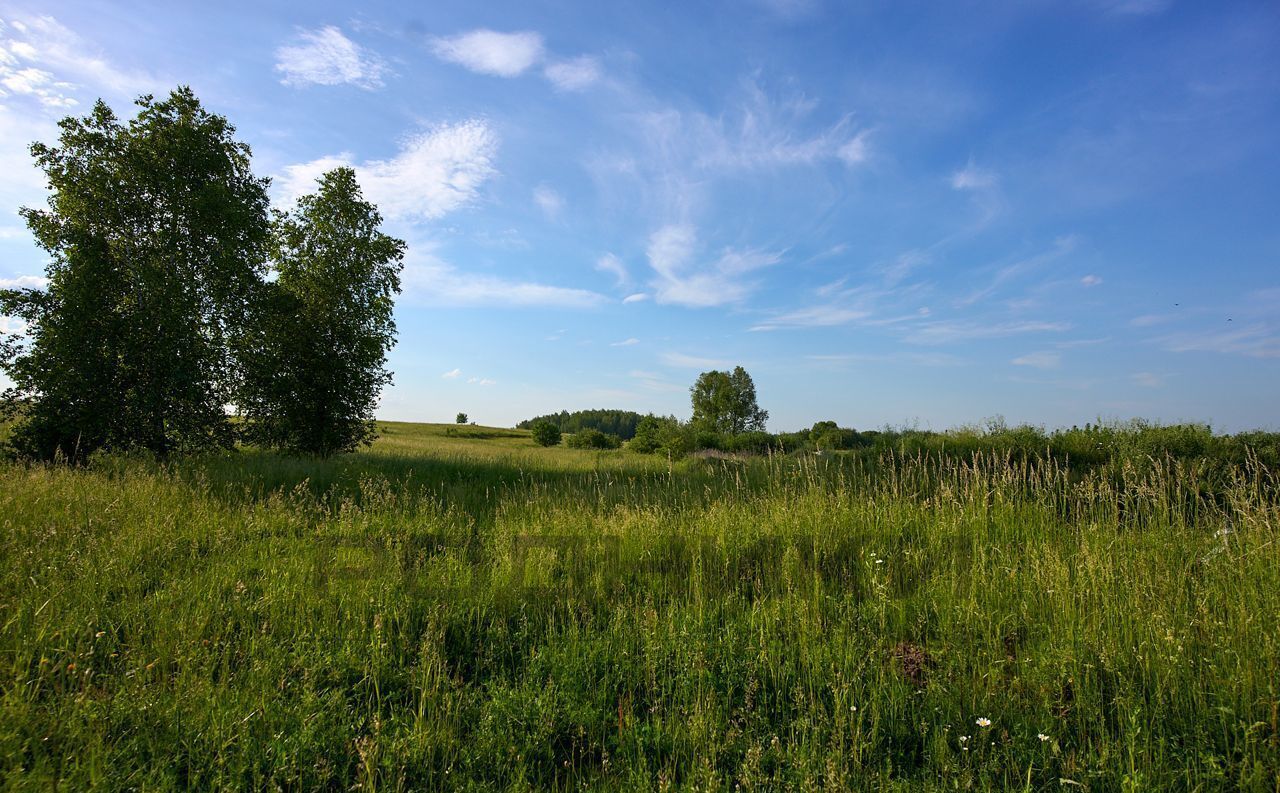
(726, 402)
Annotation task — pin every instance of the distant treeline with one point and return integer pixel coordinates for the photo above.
(1091, 445)
(619, 423)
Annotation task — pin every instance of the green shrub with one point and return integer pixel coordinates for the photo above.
(593, 439)
(545, 433)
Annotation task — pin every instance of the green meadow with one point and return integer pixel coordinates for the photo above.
(457, 608)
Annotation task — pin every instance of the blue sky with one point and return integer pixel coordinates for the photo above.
(887, 212)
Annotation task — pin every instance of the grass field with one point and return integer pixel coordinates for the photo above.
(459, 609)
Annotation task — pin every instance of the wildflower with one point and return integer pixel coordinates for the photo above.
(1042, 737)
(983, 721)
(964, 739)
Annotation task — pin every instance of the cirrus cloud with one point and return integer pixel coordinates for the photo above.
(327, 57)
(491, 52)
(435, 172)
(680, 280)
(575, 74)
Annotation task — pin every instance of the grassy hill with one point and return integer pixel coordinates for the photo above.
(458, 608)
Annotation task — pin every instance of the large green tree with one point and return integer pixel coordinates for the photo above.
(317, 359)
(726, 402)
(156, 231)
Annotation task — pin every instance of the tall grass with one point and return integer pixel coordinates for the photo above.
(474, 612)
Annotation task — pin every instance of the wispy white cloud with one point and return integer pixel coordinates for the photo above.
(549, 201)
(575, 74)
(856, 150)
(481, 381)
(437, 171)
(1039, 360)
(909, 358)
(608, 263)
(452, 374)
(952, 332)
(1090, 280)
(971, 177)
(430, 280)
(1254, 341)
(636, 298)
(512, 54)
(1075, 343)
(765, 135)
(625, 342)
(327, 57)
(57, 59)
(680, 280)
(1133, 7)
(683, 361)
(1061, 247)
(656, 382)
(760, 131)
(870, 304)
(36, 83)
(491, 52)
(821, 316)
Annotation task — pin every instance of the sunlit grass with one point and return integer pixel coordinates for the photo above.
(466, 609)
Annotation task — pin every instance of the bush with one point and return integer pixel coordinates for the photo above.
(545, 433)
(593, 439)
(646, 440)
(751, 442)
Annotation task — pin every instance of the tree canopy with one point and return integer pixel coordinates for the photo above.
(316, 364)
(619, 423)
(157, 233)
(726, 402)
(160, 313)
(545, 433)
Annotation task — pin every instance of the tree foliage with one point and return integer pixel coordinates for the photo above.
(545, 433)
(621, 423)
(318, 353)
(157, 232)
(593, 439)
(461, 418)
(725, 402)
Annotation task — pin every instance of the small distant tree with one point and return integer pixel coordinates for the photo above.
(726, 402)
(545, 433)
(318, 358)
(461, 419)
